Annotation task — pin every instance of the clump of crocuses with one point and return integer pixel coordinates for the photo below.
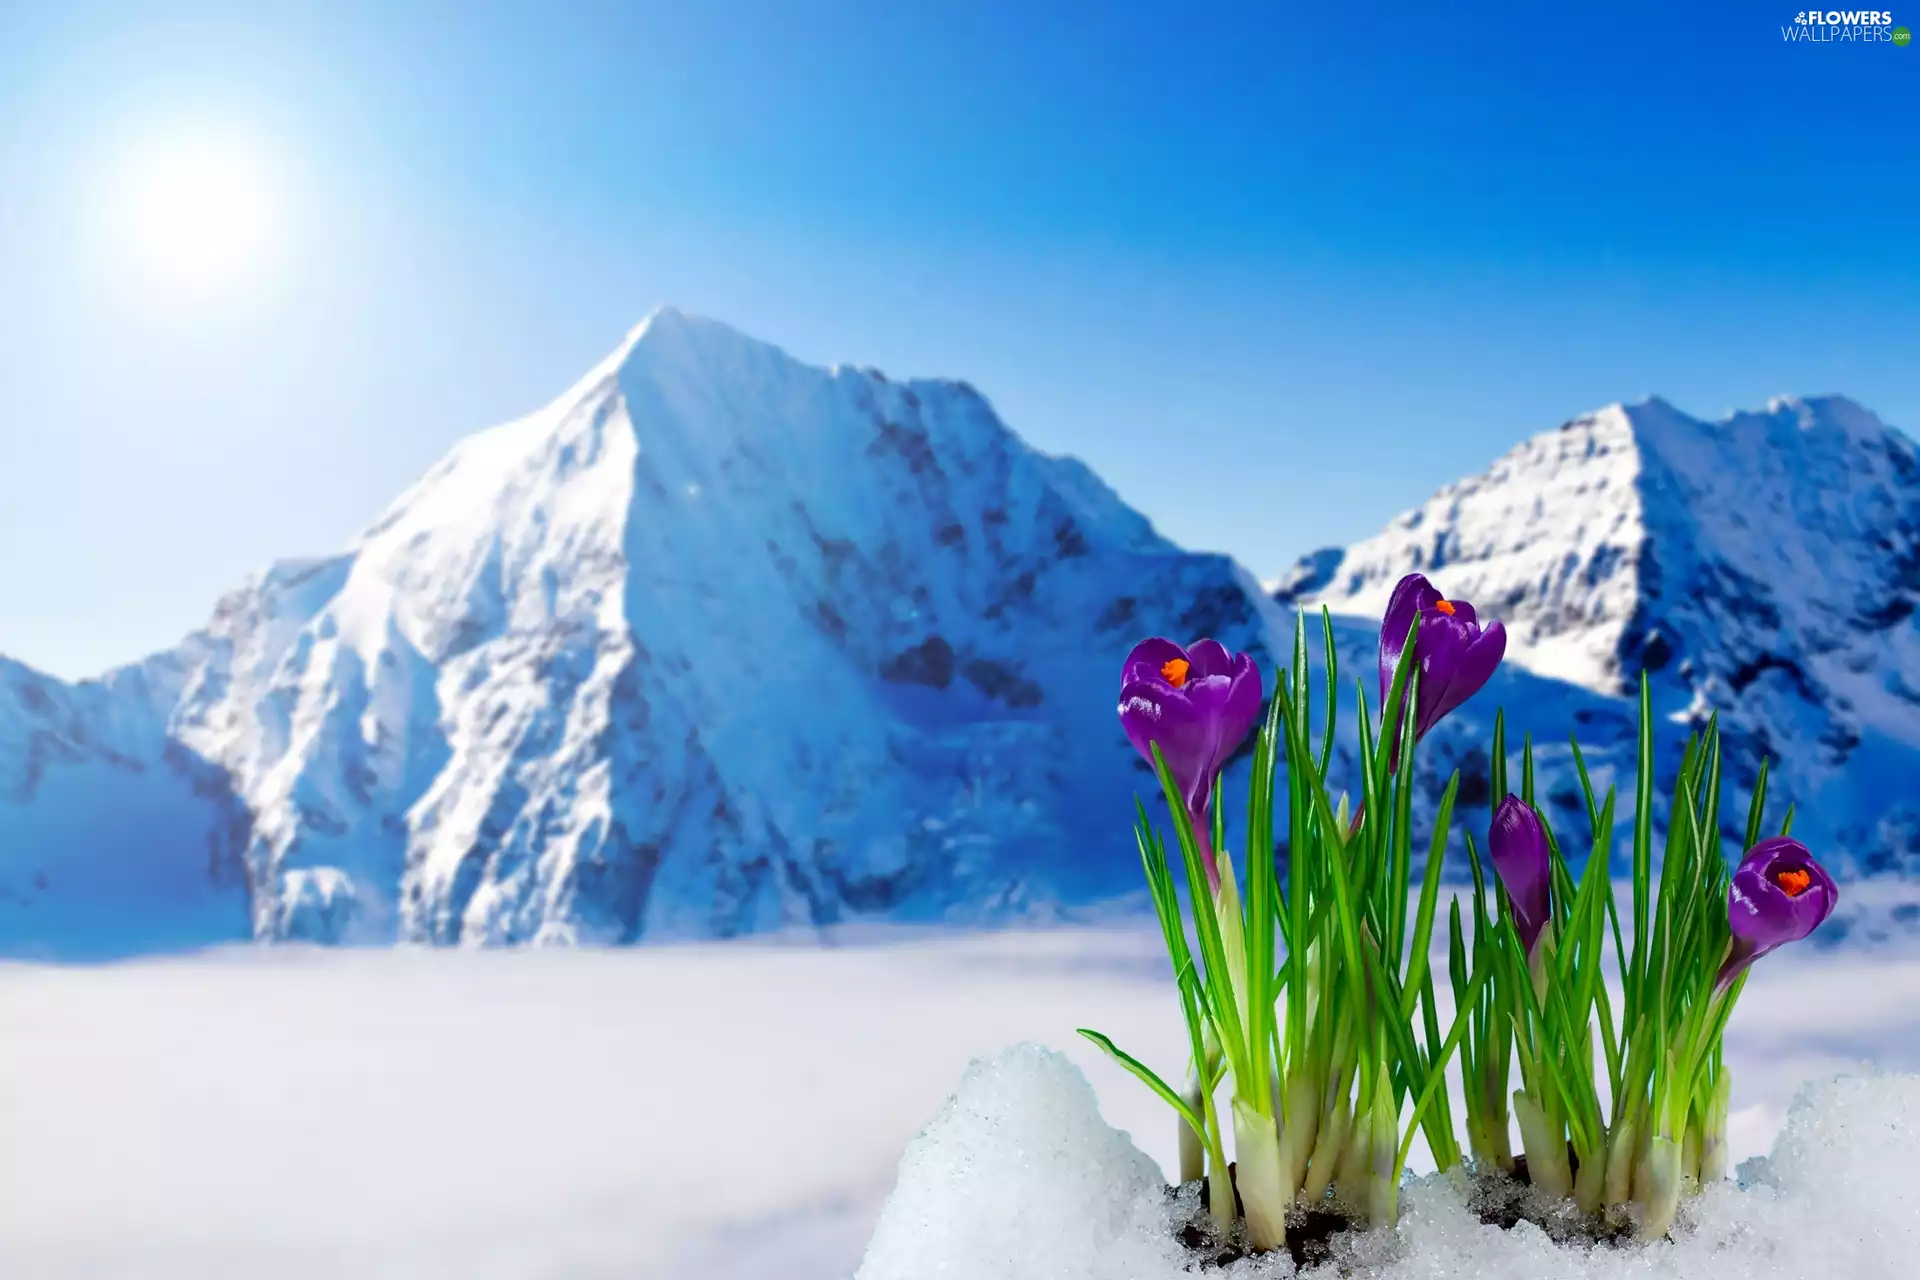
(1312, 991)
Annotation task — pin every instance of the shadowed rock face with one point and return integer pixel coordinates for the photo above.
(114, 839)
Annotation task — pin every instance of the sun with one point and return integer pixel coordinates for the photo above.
(196, 213)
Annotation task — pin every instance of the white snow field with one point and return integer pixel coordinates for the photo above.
(741, 1110)
(1019, 1179)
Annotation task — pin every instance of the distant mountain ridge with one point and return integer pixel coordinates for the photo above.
(719, 642)
(715, 643)
(1764, 568)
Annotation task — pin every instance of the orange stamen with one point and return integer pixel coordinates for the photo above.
(1175, 670)
(1794, 882)
(1444, 606)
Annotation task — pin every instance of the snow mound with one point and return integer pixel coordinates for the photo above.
(1019, 1177)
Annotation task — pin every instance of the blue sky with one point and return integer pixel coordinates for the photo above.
(1276, 272)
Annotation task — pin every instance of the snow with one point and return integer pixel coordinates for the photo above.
(110, 843)
(720, 643)
(1764, 568)
(701, 1111)
(1792, 534)
(1839, 1196)
(1018, 1177)
(716, 643)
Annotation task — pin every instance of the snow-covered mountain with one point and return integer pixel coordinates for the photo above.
(716, 642)
(113, 837)
(1765, 567)
(719, 642)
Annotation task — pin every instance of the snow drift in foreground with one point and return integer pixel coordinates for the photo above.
(705, 1112)
(1020, 1179)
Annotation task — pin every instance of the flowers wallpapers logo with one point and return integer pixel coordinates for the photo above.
(1844, 26)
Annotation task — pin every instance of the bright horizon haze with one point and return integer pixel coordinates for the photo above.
(1275, 277)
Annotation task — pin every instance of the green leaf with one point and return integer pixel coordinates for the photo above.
(1710, 804)
(1418, 959)
(1456, 953)
(1147, 1077)
(1498, 757)
(1757, 808)
(1222, 997)
(1436, 1076)
(1399, 845)
(1397, 1030)
(1586, 783)
(1396, 699)
(1333, 690)
(1635, 981)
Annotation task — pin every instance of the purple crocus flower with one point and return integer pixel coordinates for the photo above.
(1198, 704)
(1518, 844)
(1777, 895)
(1454, 655)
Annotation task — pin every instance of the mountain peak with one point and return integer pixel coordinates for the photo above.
(669, 337)
(719, 641)
(716, 641)
(669, 324)
(1766, 565)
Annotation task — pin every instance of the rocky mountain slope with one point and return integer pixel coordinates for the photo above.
(716, 642)
(719, 643)
(1765, 567)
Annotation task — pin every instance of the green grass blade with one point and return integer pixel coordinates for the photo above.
(1437, 1070)
(1756, 810)
(1146, 1076)
(1497, 763)
(1218, 975)
(1333, 689)
(1642, 852)
(1400, 845)
(1586, 783)
(1418, 959)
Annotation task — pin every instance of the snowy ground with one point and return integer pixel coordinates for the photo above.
(700, 1111)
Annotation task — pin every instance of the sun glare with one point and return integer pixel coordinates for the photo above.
(196, 213)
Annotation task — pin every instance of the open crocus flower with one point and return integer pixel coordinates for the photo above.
(1198, 704)
(1519, 847)
(1779, 894)
(1455, 656)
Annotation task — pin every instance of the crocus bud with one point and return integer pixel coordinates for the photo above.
(1518, 844)
(1454, 655)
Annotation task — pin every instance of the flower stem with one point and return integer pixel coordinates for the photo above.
(1545, 1143)
(1713, 1146)
(1658, 1187)
(1193, 1151)
(1256, 1144)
